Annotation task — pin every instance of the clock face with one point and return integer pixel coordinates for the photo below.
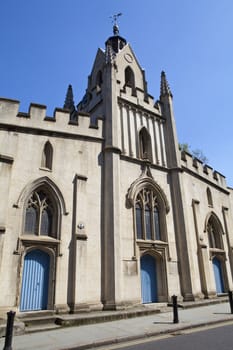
(128, 57)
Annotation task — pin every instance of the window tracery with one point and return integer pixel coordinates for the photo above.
(147, 214)
(40, 215)
(214, 235)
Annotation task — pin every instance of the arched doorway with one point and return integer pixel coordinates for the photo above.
(148, 279)
(35, 281)
(218, 275)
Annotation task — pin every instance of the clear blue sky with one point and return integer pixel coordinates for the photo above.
(47, 44)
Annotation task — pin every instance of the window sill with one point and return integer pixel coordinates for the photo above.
(217, 250)
(46, 169)
(39, 239)
(150, 242)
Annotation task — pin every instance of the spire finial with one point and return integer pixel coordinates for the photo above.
(69, 101)
(164, 86)
(114, 21)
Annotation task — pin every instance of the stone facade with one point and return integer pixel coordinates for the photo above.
(99, 208)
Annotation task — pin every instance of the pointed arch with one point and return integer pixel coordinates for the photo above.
(213, 216)
(214, 229)
(129, 77)
(47, 183)
(145, 144)
(130, 80)
(46, 217)
(99, 80)
(148, 182)
(47, 156)
(152, 266)
(150, 207)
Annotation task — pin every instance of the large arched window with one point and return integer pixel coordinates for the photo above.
(40, 215)
(214, 234)
(147, 209)
(47, 156)
(145, 144)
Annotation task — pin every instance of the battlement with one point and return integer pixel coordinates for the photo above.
(36, 118)
(139, 99)
(196, 166)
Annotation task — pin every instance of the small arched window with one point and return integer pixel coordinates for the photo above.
(40, 215)
(47, 156)
(99, 80)
(130, 79)
(209, 197)
(145, 144)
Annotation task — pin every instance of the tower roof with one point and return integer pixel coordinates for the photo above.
(116, 42)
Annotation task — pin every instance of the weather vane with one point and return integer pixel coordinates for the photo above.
(114, 21)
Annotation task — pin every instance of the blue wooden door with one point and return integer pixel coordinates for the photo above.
(218, 276)
(35, 281)
(148, 279)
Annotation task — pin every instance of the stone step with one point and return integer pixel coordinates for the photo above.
(30, 322)
(41, 327)
(38, 321)
(103, 316)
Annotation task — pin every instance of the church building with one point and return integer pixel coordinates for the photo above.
(100, 209)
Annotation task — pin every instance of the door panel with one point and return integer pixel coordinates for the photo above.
(35, 281)
(218, 276)
(148, 279)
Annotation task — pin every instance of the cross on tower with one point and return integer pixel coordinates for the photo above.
(114, 21)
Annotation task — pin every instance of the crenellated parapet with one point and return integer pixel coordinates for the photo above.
(197, 167)
(36, 118)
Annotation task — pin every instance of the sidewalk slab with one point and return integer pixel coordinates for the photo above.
(91, 336)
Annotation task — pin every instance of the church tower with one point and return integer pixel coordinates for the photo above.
(140, 151)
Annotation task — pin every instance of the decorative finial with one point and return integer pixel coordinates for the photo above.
(69, 101)
(164, 86)
(69, 104)
(114, 21)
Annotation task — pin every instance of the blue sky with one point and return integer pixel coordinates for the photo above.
(48, 44)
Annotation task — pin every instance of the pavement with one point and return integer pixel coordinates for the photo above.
(116, 332)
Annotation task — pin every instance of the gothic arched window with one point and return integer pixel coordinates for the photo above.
(145, 144)
(214, 234)
(99, 80)
(147, 210)
(47, 156)
(40, 215)
(130, 79)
